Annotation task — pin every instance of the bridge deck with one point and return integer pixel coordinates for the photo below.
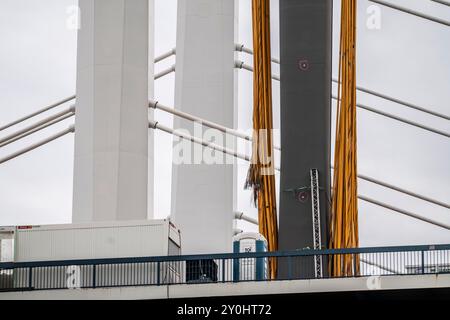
(361, 284)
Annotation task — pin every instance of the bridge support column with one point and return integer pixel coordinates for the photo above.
(202, 194)
(111, 137)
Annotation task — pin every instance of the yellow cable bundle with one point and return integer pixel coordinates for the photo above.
(344, 218)
(261, 172)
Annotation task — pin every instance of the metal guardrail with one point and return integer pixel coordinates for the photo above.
(234, 267)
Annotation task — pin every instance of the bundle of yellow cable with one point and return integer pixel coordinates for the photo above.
(261, 172)
(344, 217)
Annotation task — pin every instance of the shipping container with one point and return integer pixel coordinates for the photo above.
(97, 240)
(6, 255)
(6, 243)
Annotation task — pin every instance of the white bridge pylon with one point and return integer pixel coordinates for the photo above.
(111, 127)
(203, 194)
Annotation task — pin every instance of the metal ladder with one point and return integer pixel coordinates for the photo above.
(315, 206)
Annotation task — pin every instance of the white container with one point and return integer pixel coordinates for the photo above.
(118, 239)
(98, 240)
(6, 244)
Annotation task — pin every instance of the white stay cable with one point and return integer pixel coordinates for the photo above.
(54, 105)
(40, 123)
(38, 144)
(46, 125)
(156, 105)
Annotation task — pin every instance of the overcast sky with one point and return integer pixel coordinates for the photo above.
(408, 58)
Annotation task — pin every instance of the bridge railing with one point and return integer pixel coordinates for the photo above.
(216, 268)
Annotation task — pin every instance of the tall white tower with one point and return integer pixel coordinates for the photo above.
(202, 194)
(111, 133)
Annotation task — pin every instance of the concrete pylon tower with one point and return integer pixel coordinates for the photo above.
(111, 133)
(202, 194)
